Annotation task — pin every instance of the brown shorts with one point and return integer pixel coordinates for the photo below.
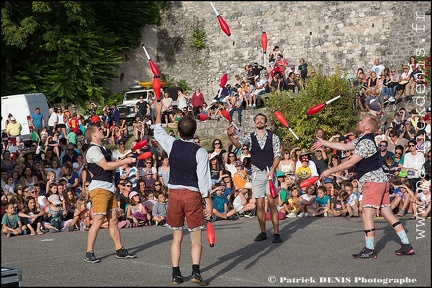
(376, 195)
(185, 204)
(103, 201)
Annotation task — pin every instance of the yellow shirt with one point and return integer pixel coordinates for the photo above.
(14, 129)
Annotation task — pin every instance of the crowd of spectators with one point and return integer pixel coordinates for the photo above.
(45, 180)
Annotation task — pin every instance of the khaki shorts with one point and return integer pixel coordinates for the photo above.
(103, 201)
(376, 195)
(185, 204)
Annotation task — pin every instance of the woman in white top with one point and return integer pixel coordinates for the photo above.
(182, 99)
(61, 124)
(167, 109)
(287, 164)
(413, 163)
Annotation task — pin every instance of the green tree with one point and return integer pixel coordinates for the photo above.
(339, 116)
(69, 49)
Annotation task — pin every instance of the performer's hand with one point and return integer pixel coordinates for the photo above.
(318, 143)
(325, 174)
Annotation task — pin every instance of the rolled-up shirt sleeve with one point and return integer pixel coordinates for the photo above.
(203, 172)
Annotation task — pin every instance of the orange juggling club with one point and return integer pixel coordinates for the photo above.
(137, 146)
(145, 155)
(224, 26)
(319, 107)
(153, 66)
(309, 182)
(156, 87)
(210, 234)
(283, 121)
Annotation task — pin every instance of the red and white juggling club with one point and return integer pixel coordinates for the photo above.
(202, 117)
(153, 66)
(226, 115)
(309, 182)
(210, 234)
(222, 83)
(224, 26)
(315, 109)
(137, 146)
(272, 187)
(264, 42)
(283, 121)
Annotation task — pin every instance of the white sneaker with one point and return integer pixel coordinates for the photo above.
(392, 99)
(291, 215)
(325, 214)
(253, 106)
(302, 214)
(307, 214)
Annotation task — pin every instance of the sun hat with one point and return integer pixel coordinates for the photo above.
(132, 194)
(54, 199)
(238, 163)
(403, 174)
(280, 174)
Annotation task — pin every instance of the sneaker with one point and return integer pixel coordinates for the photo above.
(162, 222)
(65, 229)
(91, 258)
(292, 215)
(260, 237)
(326, 214)
(240, 214)
(196, 278)
(392, 99)
(277, 238)
(179, 279)
(406, 249)
(302, 214)
(307, 214)
(122, 253)
(365, 253)
(248, 215)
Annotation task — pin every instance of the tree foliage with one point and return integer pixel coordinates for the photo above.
(69, 49)
(339, 116)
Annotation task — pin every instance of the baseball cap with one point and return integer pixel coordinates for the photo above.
(428, 109)
(13, 119)
(328, 180)
(280, 174)
(238, 163)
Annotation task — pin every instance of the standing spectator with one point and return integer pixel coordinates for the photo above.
(115, 113)
(37, 120)
(141, 108)
(265, 156)
(61, 122)
(374, 185)
(104, 204)
(189, 182)
(197, 101)
(13, 129)
(182, 99)
(303, 70)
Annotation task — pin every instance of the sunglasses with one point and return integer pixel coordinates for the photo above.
(157, 184)
(244, 148)
(397, 153)
(411, 145)
(217, 143)
(128, 185)
(232, 156)
(121, 184)
(87, 185)
(381, 145)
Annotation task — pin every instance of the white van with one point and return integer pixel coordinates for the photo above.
(21, 106)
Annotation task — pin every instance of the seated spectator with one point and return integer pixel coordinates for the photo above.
(422, 200)
(241, 202)
(159, 211)
(338, 207)
(323, 201)
(309, 201)
(220, 205)
(136, 212)
(352, 200)
(11, 222)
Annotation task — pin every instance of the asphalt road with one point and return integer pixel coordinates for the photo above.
(314, 252)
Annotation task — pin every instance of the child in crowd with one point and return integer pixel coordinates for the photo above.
(391, 167)
(292, 205)
(136, 212)
(337, 204)
(329, 184)
(149, 200)
(160, 209)
(32, 216)
(282, 191)
(241, 202)
(82, 214)
(149, 179)
(220, 204)
(240, 177)
(11, 222)
(323, 201)
(55, 215)
(422, 200)
(401, 201)
(352, 200)
(309, 201)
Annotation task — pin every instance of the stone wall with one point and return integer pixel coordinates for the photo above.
(329, 35)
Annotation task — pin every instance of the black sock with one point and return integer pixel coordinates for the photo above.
(176, 271)
(195, 269)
